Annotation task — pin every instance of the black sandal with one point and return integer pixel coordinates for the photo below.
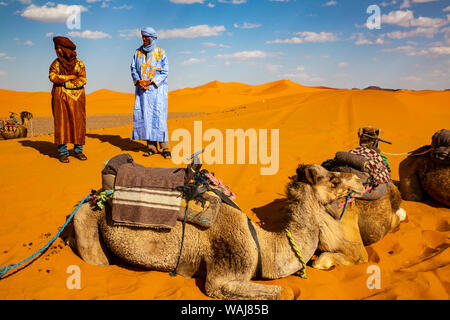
(166, 154)
(80, 156)
(149, 153)
(64, 158)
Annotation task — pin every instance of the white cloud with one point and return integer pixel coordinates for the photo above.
(130, 33)
(2, 3)
(186, 1)
(191, 32)
(212, 44)
(331, 3)
(192, 61)
(429, 52)
(248, 55)
(247, 25)
(272, 68)
(343, 64)
(401, 49)
(87, 34)
(307, 36)
(405, 4)
(411, 78)
(29, 43)
(447, 9)
(210, 5)
(233, 1)
(385, 4)
(49, 34)
(361, 39)
(300, 75)
(406, 19)
(123, 7)
(47, 13)
(418, 32)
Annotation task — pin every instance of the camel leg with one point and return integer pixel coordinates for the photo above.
(410, 187)
(340, 241)
(89, 244)
(221, 287)
(328, 260)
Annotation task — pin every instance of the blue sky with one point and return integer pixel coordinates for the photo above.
(312, 42)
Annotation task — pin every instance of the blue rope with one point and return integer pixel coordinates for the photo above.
(4, 270)
(347, 198)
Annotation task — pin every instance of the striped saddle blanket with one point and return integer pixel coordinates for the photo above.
(147, 196)
(152, 198)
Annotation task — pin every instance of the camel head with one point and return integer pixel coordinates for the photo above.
(366, 141)
(25, 115)
(326, 186)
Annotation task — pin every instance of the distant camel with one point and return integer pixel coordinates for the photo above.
(11, 129)
(427, 171)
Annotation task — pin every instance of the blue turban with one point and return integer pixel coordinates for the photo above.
(149, 32)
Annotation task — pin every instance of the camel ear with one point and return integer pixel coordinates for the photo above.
(377, 132)
(360, 132)
(307, 174)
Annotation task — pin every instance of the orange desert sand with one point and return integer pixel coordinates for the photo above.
(38, 192)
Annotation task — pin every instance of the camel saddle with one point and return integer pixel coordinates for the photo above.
(10, 126)
(368, 165)
(151, 197)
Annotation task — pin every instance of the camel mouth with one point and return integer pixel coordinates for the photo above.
(355, 185)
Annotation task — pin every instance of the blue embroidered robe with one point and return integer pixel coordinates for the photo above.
(150, 108)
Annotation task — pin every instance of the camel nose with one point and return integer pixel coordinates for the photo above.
(356, 185)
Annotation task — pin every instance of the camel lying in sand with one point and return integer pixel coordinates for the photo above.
(15, 130)
(423, 173)
(226, 253)
(365, 221)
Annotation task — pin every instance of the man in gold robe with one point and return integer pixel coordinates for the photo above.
(68, 75)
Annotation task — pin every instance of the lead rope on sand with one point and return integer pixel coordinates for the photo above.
(5, 270)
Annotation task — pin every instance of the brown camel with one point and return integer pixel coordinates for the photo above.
(10, 129)
(423, 173)
(226, 254)
(366, 220)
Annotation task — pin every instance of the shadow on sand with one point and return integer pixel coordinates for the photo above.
(125, 144)
(46, 148)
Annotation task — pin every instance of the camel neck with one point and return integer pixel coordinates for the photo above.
(279, 258)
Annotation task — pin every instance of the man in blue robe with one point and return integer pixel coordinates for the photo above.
(149, 70)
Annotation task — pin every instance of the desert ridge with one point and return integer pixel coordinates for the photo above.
(313, 123)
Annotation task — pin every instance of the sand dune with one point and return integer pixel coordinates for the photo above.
(38, 192)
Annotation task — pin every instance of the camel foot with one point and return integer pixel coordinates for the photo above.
(244, 290)
(401, 213)
(286, 294)
(327, 260)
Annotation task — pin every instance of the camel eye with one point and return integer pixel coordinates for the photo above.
(335, 181)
